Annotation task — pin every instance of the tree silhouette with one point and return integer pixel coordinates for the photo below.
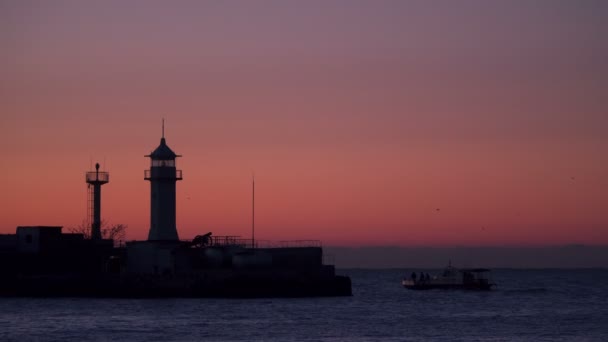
(116, 232)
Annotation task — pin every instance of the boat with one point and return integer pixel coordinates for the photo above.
(452, 278)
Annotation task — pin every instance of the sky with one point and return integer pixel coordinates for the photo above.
(366, 123)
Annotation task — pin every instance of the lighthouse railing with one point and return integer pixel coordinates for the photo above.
(177, 175)
(94, 176)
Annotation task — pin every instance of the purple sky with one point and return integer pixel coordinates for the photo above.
(359, 117)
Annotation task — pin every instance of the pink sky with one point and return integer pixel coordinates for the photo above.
(359, 118)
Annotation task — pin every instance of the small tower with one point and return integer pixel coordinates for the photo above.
(96, 179)
(163, 177)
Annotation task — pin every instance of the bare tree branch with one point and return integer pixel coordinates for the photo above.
(116, 232)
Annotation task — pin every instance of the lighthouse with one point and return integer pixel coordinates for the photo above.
(95, 180)
(163, 177)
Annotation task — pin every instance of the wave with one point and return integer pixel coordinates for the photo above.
(529, 290)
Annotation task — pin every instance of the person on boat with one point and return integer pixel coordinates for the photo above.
(414, 276)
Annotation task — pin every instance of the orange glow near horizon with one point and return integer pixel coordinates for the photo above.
(365, 124)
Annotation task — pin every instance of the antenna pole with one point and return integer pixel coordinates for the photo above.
(252, 210)
(163, 127)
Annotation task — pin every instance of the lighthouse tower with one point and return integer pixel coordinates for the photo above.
(95, 180)
(162, 176)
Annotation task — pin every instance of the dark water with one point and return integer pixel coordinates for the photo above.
(529, 305)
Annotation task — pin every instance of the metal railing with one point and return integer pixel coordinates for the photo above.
(230, 240)
(94, 176)
(148, 175)
(287, 243)
(300, 243)
(237, 241)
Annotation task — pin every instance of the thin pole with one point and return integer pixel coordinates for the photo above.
(252, 210)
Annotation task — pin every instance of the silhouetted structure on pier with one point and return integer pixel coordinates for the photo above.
(163, 177)
(42, 261)
(95, 180)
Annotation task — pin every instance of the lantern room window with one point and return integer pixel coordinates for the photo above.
(163, 163)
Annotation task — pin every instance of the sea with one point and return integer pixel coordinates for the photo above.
(527, 305)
